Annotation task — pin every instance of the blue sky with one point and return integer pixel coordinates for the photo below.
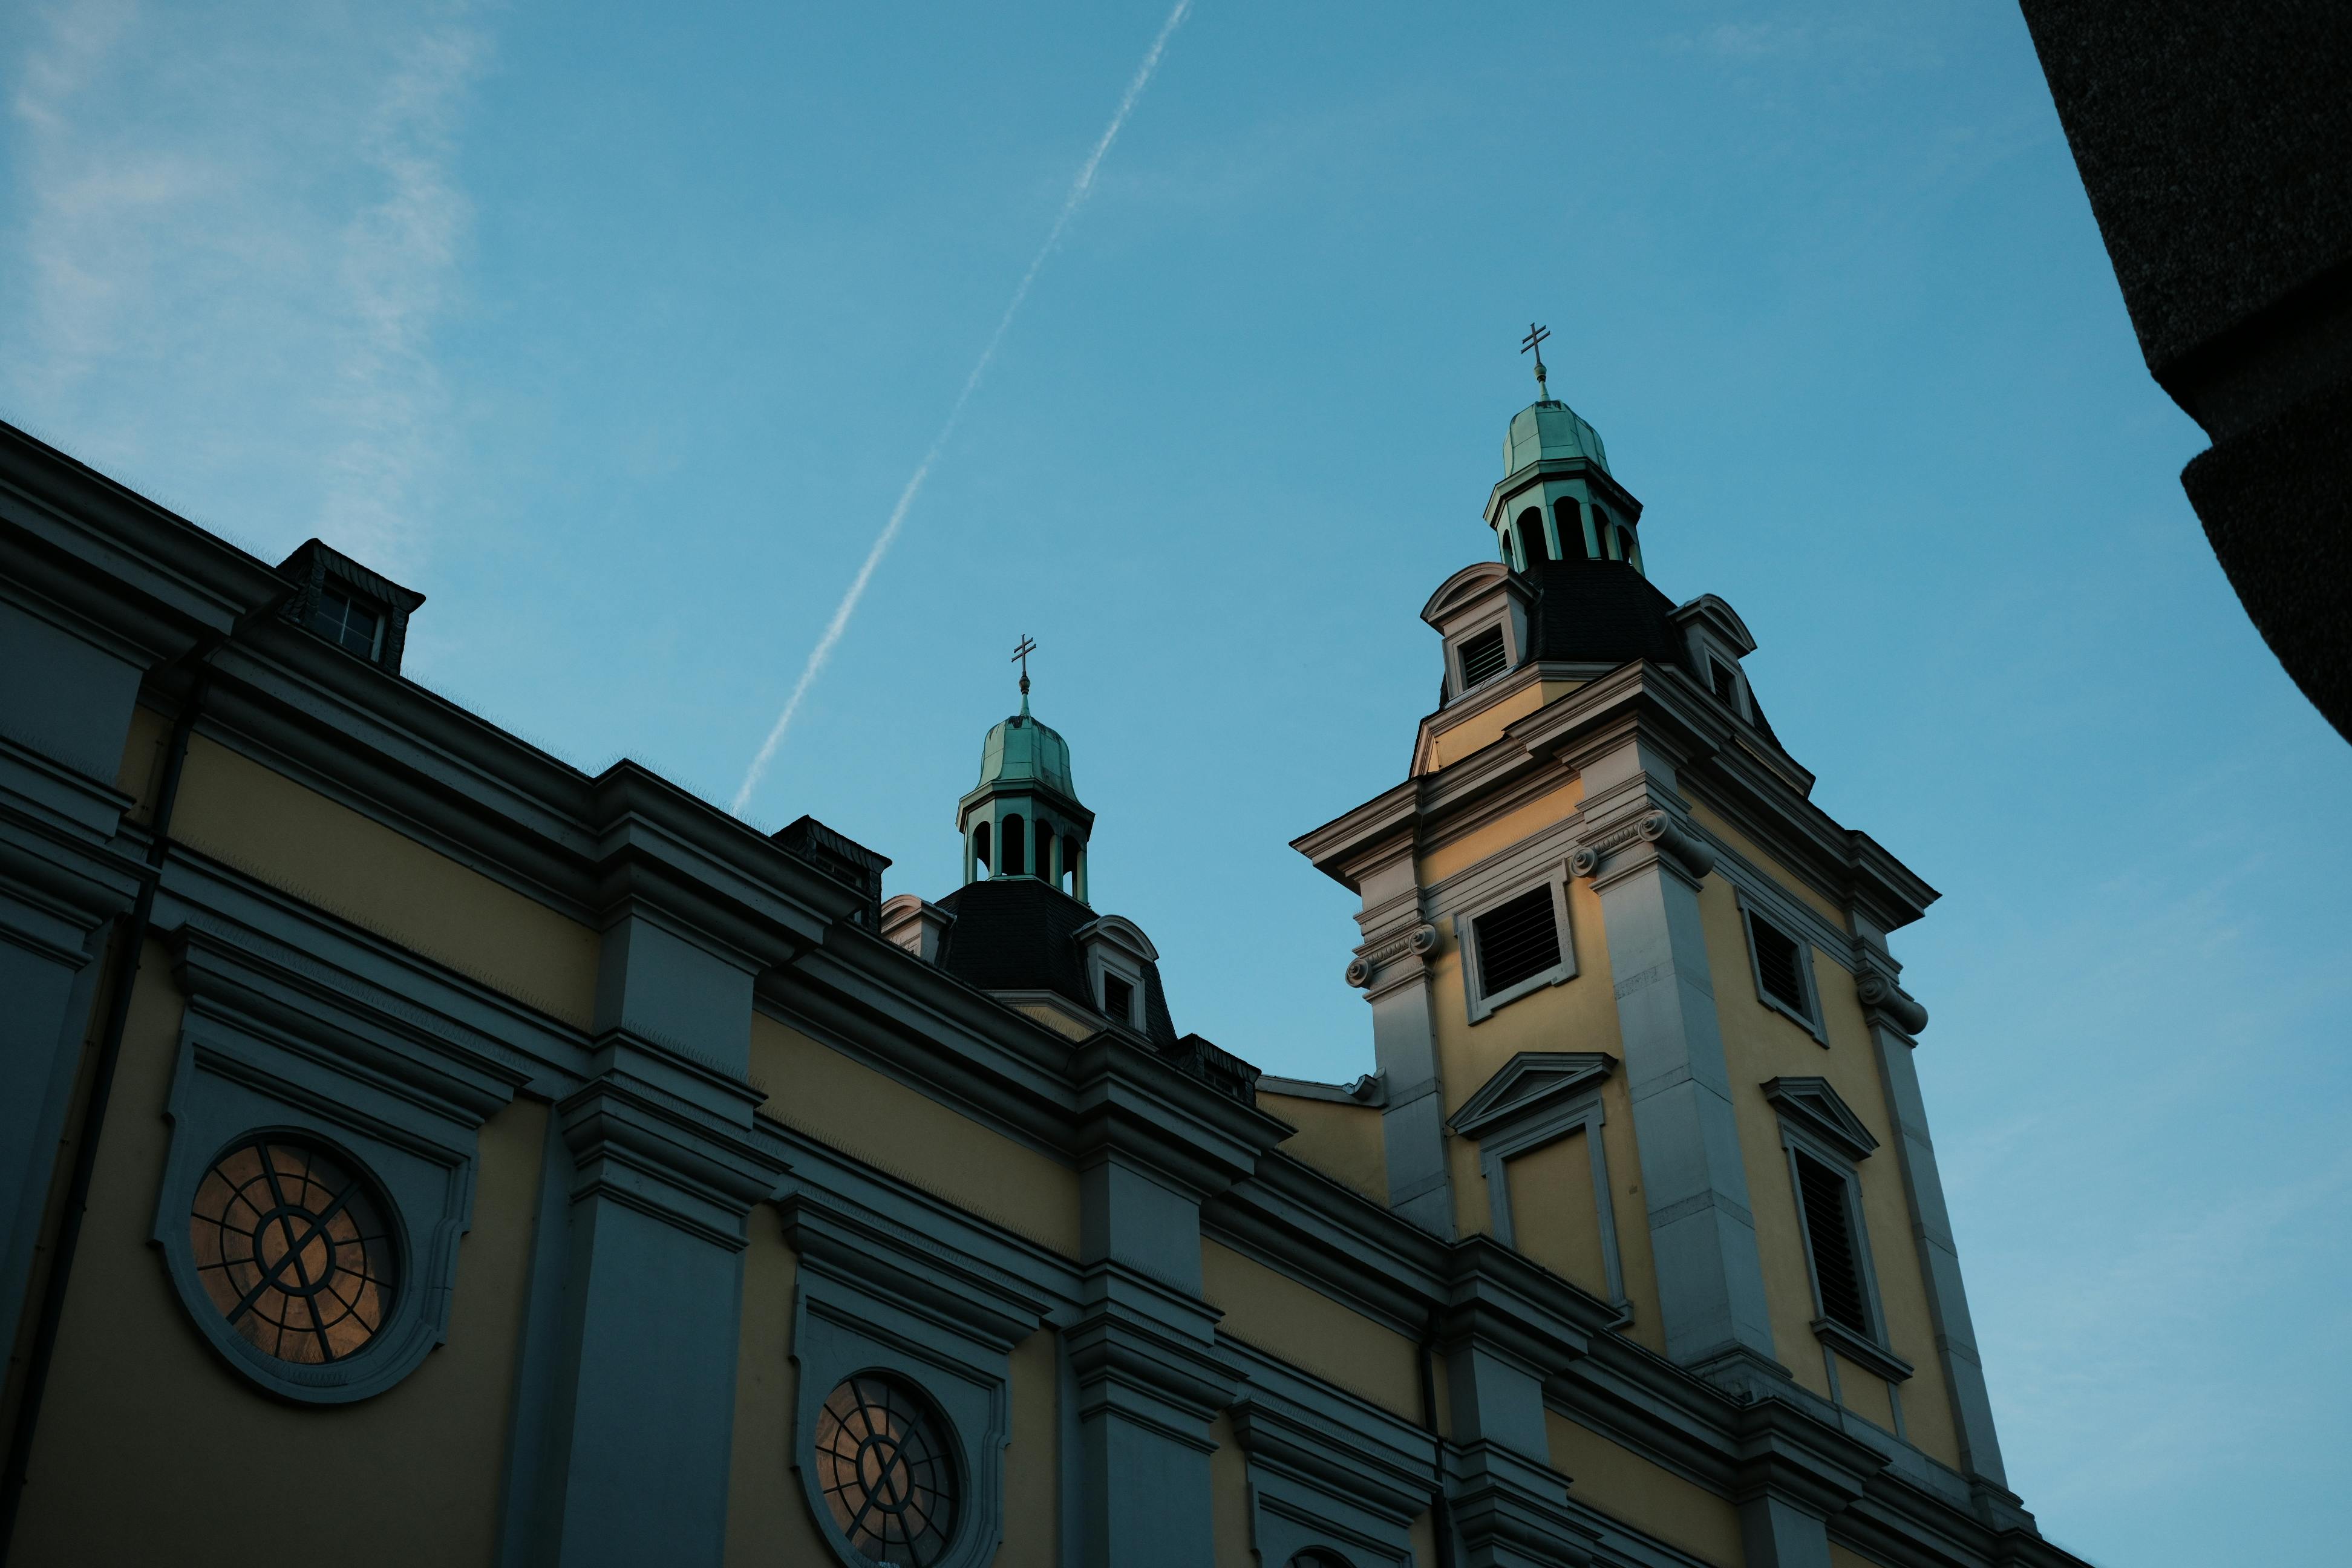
(618, 332)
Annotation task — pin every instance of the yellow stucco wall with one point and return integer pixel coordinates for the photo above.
(1513, 826)
(1343, 1141)
(1578, 1014)
(1033, 1490)
(1554, 1213)
(1483, 729)
(1760, 1044)
(142, 759)
(1309, 1329)
(263, 823)
(1844, 1557)
(1764, 860)
(151, 1450)
(1650, 1497)
(767, 1513)
(882, 1121)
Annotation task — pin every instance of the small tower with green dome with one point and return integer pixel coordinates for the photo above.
(1023, 818)
(1557, 500)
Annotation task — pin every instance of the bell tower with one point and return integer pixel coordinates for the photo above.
(1557, 500)
(1024, 817)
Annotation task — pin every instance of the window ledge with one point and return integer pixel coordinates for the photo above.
(1864, 1352)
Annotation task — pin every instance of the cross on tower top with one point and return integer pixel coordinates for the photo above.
(1021, 653)
(1533, 342)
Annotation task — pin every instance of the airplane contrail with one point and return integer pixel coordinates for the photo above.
(1080, 188)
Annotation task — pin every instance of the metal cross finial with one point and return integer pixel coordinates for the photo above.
(1534, 341)
(1020, 654)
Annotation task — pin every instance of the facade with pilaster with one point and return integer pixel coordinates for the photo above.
(415, 1148)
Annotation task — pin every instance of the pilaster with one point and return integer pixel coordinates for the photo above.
(1392, 966)
(1152, 1144)
(661, 1185)
(1647, 867)
(1508, 1505)
(1895, 1017)
(664, 1173)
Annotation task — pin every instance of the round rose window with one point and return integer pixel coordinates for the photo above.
(886, 1470)
(293, 1246)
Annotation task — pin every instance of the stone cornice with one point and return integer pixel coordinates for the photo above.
(912, 1270)
(1655, 705)
(1133, 1104)
(151, 577)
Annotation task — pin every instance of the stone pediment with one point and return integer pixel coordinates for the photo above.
(1814, 1105)
(1529, 1084)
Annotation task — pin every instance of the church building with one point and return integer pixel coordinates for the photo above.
(416, 1150)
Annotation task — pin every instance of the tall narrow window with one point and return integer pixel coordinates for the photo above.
(1779, 965)
(1829, 1233)
(1720, 677)
(1604, 531)
(1516, 941)
(1016, 846)
(1069, 862)
(1483, 657)
(980, 847)
(1628, 548)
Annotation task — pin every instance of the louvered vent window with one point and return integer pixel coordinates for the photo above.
(1482, 658)
(1516, 941)
(1118, 999)
(1777, 958)
(1722, 679)
(1830, 1229)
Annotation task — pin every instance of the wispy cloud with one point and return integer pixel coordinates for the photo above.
(235, 235)
(1080, 189)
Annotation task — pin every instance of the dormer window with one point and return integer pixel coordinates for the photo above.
(352, 622)
(364, 614)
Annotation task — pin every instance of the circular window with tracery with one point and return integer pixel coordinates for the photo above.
(886, 1470)
(295, 1250)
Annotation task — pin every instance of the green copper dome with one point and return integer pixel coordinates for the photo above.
(1550, 430)
(1023, 750)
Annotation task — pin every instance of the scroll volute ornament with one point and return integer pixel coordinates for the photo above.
(1421, 941)
(1690, 853)
(1880, 995)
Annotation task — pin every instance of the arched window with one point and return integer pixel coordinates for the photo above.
(1503, 541)
(1069, 861)
(1074, 858)
(1531, 535)
(1626, 548)
(1015, 851)
(1568, 516)
(1317, 1557)
(1605, 531)
(980, 849)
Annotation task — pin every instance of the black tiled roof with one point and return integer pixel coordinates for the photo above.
(1017, 933)
(1600, 611)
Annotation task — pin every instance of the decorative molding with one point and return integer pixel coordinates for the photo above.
(1420, 940)
(1534, 1099)
(1814, 1105)
(1880, 995)
(1679, 846)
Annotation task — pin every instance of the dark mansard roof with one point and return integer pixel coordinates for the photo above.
(1016, 933)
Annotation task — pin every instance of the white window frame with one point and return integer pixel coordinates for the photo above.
(1100, 964)
(1465, 941)
(1502, 618)
(1809, 1019)
(1871, 1351)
